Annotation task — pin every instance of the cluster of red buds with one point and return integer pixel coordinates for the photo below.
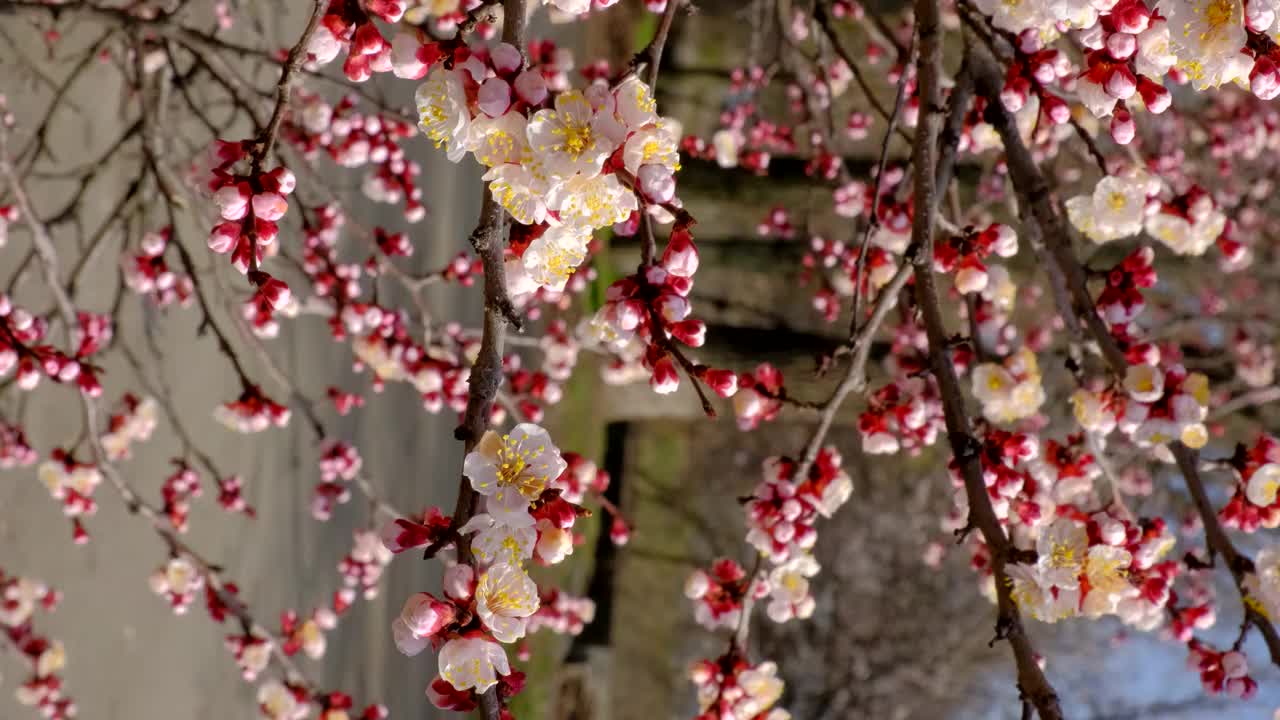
(758, 395)
(1221, 671)
(361, 569)
(15, 451)
(1068, 468)
(391, 352)
(562, 613)
(652, 305)
(339, 464)
(231, 498)
(334, 706)
(43, 687)
(250, 205)
(348, 25)
(783, 509)
(718, 594)
(777, 223)
(21, 346)
(963, 254)
(400, 534)
(146, 272)
(71, 483)
(840, 263)
(530, 390)
(252, 412)
(904, 414)
(344, 402)
(178, 490)
(353, 139)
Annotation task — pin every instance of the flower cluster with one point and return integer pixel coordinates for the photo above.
(251, 204)
(1116, 208)
(339, 464)
(348, 26)
(758, 396)
(134, 423)
(493, 601)
(178, 490)
(148, 273)
(73, 484)
(21, 345)
(653, 306)
(178, 581)
(15, 451)
(43, 688)
(562, 613)
(252, 412)
(783, 509)
(353, 139)
(730, 688)
(361, 569)
(1010, 390)
(718, 595)
(963, 254)
(1097, 565)
(1221, 671)
(1254, 504)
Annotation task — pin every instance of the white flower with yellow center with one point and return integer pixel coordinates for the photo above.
(652, 145)
(1144, 383)
(1207, 37)
(1263, 485)
(513, 470)
(499, 140)
(1012, 391)
(762, 686)
(1063, 549)
(1115, 209)
(373, 354)
(1035, 596)
(789, 595)
(1017, 15)
(592, 201)
(496, 542)
(1107, 569)
(1154, 57)
(473, 663)
(1091, 412)
(505, 598)
(1183, 236)
(442, 111)
(19, 601)
(520, 191)
(636, 106)
(279, 703)
(556, 254)
(566, 140)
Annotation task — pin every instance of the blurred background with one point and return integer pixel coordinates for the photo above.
(893, 637)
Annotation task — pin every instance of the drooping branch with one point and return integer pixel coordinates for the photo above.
(1032, 684)
(1033, 191)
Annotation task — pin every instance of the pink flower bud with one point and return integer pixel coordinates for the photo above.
(1121, 83)
(1055, 108)
(1235, 665)
(367, 40)
(424, 615)
(406, 641)
(232, 200)
(531, 87)
(1123, 128)
(681, 256)
(690, 332)
(459, 582)
(357, 68)
(1131, 17)
(1264, 79)
(223, 237)
(619, 532)
(265, 231)
(269, 206)
(722, 382)
(275, 292)
(494, 97)
(672, 307)
(665, 379)
(1014, 94)
(1155, 96)
(506, 58)
(657, 183)
(282, 180)
(629, 314)
(1122, 45)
